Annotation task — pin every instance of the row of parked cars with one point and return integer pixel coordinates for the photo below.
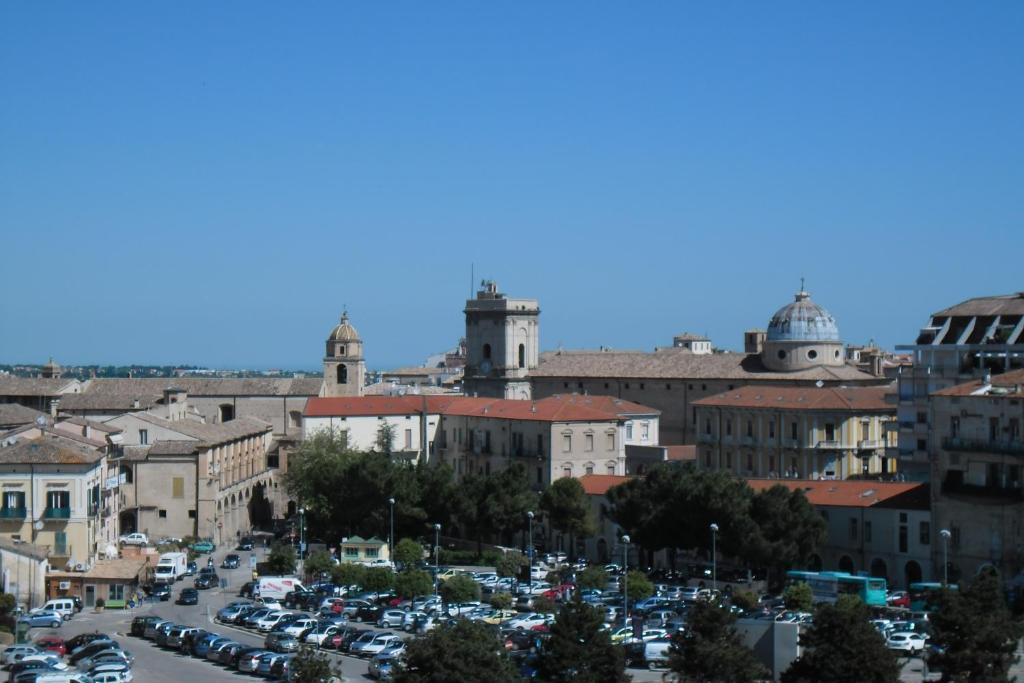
(85, 658)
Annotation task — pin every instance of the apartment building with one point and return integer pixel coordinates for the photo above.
(797, 432)
(977, 485)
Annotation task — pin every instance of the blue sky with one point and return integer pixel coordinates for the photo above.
(210, 183)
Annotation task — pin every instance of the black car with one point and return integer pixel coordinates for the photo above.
(207, 581)
(188, 596)
(368, 614)
(161, 591)
(242, 652)
(246, 590)
(231, 561)
(78, 602)
(139, 625)
(191, 569)
(245, 543)
(72, 644)
(18, 667)
(296, 599)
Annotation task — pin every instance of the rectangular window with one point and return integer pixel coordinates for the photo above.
(590, 469)
(728, 461)
(853, 528)
(611, 442)
(750, 428)
(14, 500)
(792, 431)
(191, 514)
(954, 537)
(865, 430)
(645, 431)
(58, 500)
(924, 533)
(162, 514)
(771, 429)
(567, 470)
(611, 469)
(922, 444)
(629, 430)
(351, 552)
(750, 462)
(707, 426)
(830, 431)
(116, 591)
(540, 475)
(540, 444)
(408, 439)
(903, 538)
(177, 487)
(372, 552)
(60, 543)
(588, 443)
(144, 437)
(922, 418)
(867, 531)
(566, 443)
(728, 427)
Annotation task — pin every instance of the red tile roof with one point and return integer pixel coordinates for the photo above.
(598, 484)
(1008, 379)
(858, 399)
(855, 492)
(558, 408)
(685, 452)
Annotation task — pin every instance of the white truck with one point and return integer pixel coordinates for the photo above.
(171, 567)
(276, 586)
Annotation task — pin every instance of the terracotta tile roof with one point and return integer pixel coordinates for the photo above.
(682, 452)
(855, 492)
(681, 363)
(853, 399)
(109, 401)
(1008, 380)
(15, 414)
(49, 450)
(34, 386)
(558, 408)
(126, 568)
(101, 426)
(174, 447)
(206, 386)
(210, 434)
(598, 484)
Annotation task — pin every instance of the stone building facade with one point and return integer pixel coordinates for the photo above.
(344, 364)
(502, 344)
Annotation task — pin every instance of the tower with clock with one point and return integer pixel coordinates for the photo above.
(502, 344)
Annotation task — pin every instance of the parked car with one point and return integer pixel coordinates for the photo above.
(134, 539)
(281, 642)
(188, 596)
(52, 644)
(245, 543)
(161, 591)
(383, 666)
(203, 546)
(391, 618)
(907, 641)
(231, 561)
(191, 569)
(45, 619)
(205, 581)
(15, 653)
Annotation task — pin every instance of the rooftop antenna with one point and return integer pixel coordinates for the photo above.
(801, 283)
(472, 278)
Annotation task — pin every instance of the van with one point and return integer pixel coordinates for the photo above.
(66, 607)
(277, 586)
(63, 677)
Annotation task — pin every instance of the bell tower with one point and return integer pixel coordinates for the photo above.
(502, 344)
(344, 365)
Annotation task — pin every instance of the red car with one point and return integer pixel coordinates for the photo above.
(899, 599)
(556, 592)
(52, 644)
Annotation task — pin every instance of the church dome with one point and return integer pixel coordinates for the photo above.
(344, 332)
(803, 321)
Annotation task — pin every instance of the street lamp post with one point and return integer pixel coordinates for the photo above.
(391, 535)
(529, 554)
(944, 533)
(625, 579)
(437, 554)
(714, 556)
(302, 542)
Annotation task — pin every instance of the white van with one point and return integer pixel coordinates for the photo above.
(64, 677)
(276, 586)
(66, 607)
(171, 567)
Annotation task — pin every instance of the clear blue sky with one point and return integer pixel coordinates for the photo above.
(209, 182)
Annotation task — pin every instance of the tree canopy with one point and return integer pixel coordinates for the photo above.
(494, 503)
(411, 583)
(281, 559)
(710, 650)
(464, 651)
(568, 510)
(579, 650)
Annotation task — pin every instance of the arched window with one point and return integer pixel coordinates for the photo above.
(342, 374)
(522, 355)
(487, 351)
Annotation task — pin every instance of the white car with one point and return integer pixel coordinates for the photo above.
(391, 618)
(269, 603)
(134, 539)
(410, 619)
(527, 621)
(379, 643)
(299, 625)
(51, 660)
(270, 621)
(656, 652)
(907, 641)
(15, 653)
(112, 676)
(321, 633)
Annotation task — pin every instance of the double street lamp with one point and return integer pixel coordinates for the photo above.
(714, 556)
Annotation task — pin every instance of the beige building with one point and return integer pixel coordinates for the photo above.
(977, 484)
(52, 490)
(364, 550)
(797, 432)
(344, 364)
(502, 344)
(798, 350)
(187, 478)
(23, 568)
(36, 392)
(978, 337)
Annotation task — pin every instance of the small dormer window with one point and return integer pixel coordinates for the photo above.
(341, 350)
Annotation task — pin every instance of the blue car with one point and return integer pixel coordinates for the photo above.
(203, 645)
(44, 619)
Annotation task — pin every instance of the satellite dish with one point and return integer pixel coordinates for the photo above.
(38, 526)
(41, 421)
(819, 384)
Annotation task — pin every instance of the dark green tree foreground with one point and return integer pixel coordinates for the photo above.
(310, 666)
(975, 633)
(843, 647)
(579, 650)
(710, 650)
(466, 652)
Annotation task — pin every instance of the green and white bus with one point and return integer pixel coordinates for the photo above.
(828, 586)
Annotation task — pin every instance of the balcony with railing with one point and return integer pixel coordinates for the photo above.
(829, 445)
(870, 444)
(954, 485)
(1000, 446)
(12, 513)
(57, 513)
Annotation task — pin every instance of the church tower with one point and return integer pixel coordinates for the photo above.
(344, 365)
(502, 344)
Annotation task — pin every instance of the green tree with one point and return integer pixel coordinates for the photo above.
(465, 651)
(459, 588)
(798, 596)
(568, 510)
(843, 647)
(310, 666)
(710, 650)
(510, 564)
(976, 635)
(261, 511)
(501, 600)
(348, 574)
(319, 562)
(408, 552)
(281, 559)
(385, 441)
(411, 583)
(579, 650)
(639, 585)
(592, 577)
(745, 600)
(495, 503)
(378, 579)
(789, 531)
(544, 605)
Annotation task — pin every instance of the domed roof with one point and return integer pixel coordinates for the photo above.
(803, 320)
(344, 332)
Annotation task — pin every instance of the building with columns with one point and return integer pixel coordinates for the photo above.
(344, 364)
(502, 344)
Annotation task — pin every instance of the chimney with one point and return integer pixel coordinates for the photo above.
(54, 405)
(877, 367)
(753, 341)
